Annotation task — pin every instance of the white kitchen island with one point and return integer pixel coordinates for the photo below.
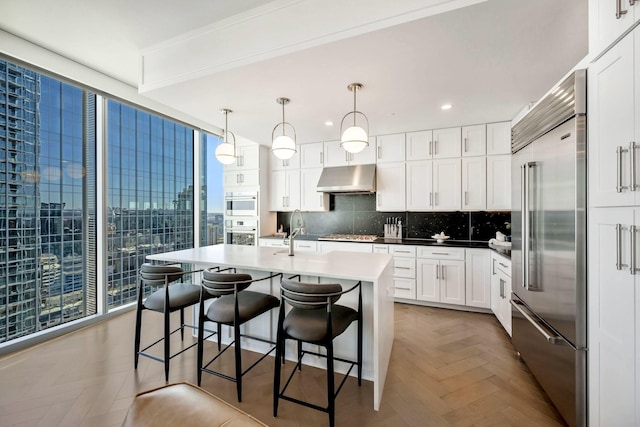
(374, 270)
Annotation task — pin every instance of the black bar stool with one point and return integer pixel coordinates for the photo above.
(169, 298)
(314, 318)
(233, 306)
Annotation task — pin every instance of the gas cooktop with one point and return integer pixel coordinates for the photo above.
(349, 237)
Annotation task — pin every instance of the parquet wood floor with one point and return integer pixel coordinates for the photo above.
(448, 368)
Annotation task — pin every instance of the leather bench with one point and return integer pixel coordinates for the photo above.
(184, 404)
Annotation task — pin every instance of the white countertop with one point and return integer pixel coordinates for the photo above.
(339, 265)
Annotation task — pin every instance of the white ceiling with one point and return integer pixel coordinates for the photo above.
(488, 59)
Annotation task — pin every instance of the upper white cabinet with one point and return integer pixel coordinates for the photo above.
(390, 187)
(249, 171)
(433, 185)
(310, 198)
(613, 107)
(312, 155)
(282, 164)
(499, 183)
(335, 155)
(419, 145)
(498, 138)
(440, 275)
(608, 20)
(284, 190)
(247, 157)
(447, 143)
(390, 148)
(474, 183)
(474, 140)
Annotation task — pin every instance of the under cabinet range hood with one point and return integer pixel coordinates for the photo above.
(348, 179)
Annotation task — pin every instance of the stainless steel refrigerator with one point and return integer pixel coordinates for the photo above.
(549, 245)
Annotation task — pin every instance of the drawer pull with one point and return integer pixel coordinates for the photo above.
(502, 265)
(404, 268)
(403, 289)
(441, 253)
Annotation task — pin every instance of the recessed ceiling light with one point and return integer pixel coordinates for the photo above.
(328, 123)
(447, 106)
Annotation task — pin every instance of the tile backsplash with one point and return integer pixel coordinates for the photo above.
(356, 214)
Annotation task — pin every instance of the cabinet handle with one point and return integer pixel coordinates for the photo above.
(632, 165)
(379, 151)
(493, 266)
(430, 199)
(403, 289)
(444, 269)
(466, 198)
(466, 144)
(435, 198)
(403, 268)
(501, 288)
(619, 186)
(503, 265)
(403, 252)
(632, 262)
(430, 148)
(619, 11)
(619, 263)
(440, 253)
(437, 271)
(435, 147)
(237, 178)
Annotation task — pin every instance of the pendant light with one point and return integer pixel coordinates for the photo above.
(355, 138)
(283, 146)
(226, 151)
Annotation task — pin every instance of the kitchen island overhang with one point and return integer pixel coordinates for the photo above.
(374, 270)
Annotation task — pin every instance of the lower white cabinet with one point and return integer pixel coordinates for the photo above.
(501, 289)
(440, 275)
(478, 277)
(613, 297)
(310, 198)
(404, 271)
(305, 246)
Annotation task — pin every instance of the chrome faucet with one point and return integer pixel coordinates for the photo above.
(294, 232)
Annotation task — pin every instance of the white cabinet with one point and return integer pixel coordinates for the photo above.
(446, 143)
(284, 190)
(501, 289)
(390, 187)
(240, 179)
(499, 183)
(281, 164)
(310, 198)
(380, 249)
(478, 278)
(335, 155)
(440, 275)
(312, 155)
(273, 243)
(308, 246)
(247, 157)
(498, 138)
(614, 104)
(609, 19)
(390, 148)
(419, 145)
(404, 271)
(614, 317)
(326, 246)
(474, 140)
(433, 185)
(474, 183)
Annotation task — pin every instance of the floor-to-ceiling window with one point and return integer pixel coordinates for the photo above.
(150, 193)
(49, 186)
(47, 197)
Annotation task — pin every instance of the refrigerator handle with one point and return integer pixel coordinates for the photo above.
(549, 335)
(524, 221)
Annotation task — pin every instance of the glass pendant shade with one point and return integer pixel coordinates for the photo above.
(283, 147)
(354, 139)
(225, 153)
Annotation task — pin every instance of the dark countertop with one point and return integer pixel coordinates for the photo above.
(472, 244)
